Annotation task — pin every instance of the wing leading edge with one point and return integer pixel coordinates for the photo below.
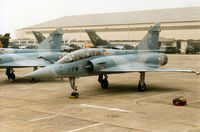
(123, 69)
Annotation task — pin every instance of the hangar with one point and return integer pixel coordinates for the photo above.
(180, 27)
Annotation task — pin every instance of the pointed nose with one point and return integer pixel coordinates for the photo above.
(46, 72)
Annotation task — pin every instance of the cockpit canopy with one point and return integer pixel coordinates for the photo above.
(79, 55)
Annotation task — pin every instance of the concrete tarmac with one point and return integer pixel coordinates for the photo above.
(45, 106)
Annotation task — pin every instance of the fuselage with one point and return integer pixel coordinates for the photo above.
(87, 62)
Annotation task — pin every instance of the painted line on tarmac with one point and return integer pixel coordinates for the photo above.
(42, 118)
(153, 96)
(139, 99)
(78, 129)
(106, 108)
(193, 101)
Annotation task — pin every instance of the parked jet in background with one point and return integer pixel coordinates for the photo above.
(101, 62)
(98, 42)
(48, 52)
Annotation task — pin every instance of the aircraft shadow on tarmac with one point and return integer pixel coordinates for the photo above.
(114, 89)
(125, 89)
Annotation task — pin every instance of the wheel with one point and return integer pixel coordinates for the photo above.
(35, 80)
(141, 88)
(100, 78)
(76, 95)
(104, 83)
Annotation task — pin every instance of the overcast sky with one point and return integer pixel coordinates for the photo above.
(16, 14)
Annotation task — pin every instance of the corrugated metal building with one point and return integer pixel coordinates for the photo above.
(180, 26)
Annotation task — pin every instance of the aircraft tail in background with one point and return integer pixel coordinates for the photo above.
(96, 40)
(39, 36)
(53, 41)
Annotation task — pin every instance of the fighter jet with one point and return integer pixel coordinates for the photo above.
(98, 42)
(97, 61)
(48, 52)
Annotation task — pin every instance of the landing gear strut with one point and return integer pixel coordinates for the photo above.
(10, 74)
(141, 84)
(74, 94)
(35, 79)
(104, 82)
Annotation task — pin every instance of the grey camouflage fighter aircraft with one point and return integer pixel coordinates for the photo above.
(97, 61)
(48, 52)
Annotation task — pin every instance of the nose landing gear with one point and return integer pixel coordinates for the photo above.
(74, 94)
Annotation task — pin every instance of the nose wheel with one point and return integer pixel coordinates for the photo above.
(74, 94)
(141, 84)
(103, 81)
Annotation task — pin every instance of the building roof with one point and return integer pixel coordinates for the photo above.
(133, 17)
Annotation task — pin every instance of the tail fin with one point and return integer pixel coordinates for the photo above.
(53, 41)
(150, 40)
(39, 36)
(96, 40)
(4, 40)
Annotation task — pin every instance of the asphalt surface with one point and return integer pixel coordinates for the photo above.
(46, 106)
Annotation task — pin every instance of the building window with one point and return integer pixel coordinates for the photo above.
(178, 44)
(22, 42)
(16, 42)
(30, 42)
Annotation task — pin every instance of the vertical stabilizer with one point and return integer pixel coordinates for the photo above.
(39, 36)
(150, 40)
(96, 40)
(53, 41)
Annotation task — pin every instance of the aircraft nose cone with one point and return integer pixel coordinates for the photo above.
(46, 72)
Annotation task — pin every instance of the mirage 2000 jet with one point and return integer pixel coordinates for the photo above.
(48, 52)
(97, 61)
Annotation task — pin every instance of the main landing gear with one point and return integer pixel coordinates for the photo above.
(10, 74)
(103, 81)
(141, 84)
(35, 80)
(72, 82)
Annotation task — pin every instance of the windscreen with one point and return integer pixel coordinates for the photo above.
(79, 55)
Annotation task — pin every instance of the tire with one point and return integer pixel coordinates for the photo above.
(76, 95)
(104, 84)
(141, 88)
(35, 80)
